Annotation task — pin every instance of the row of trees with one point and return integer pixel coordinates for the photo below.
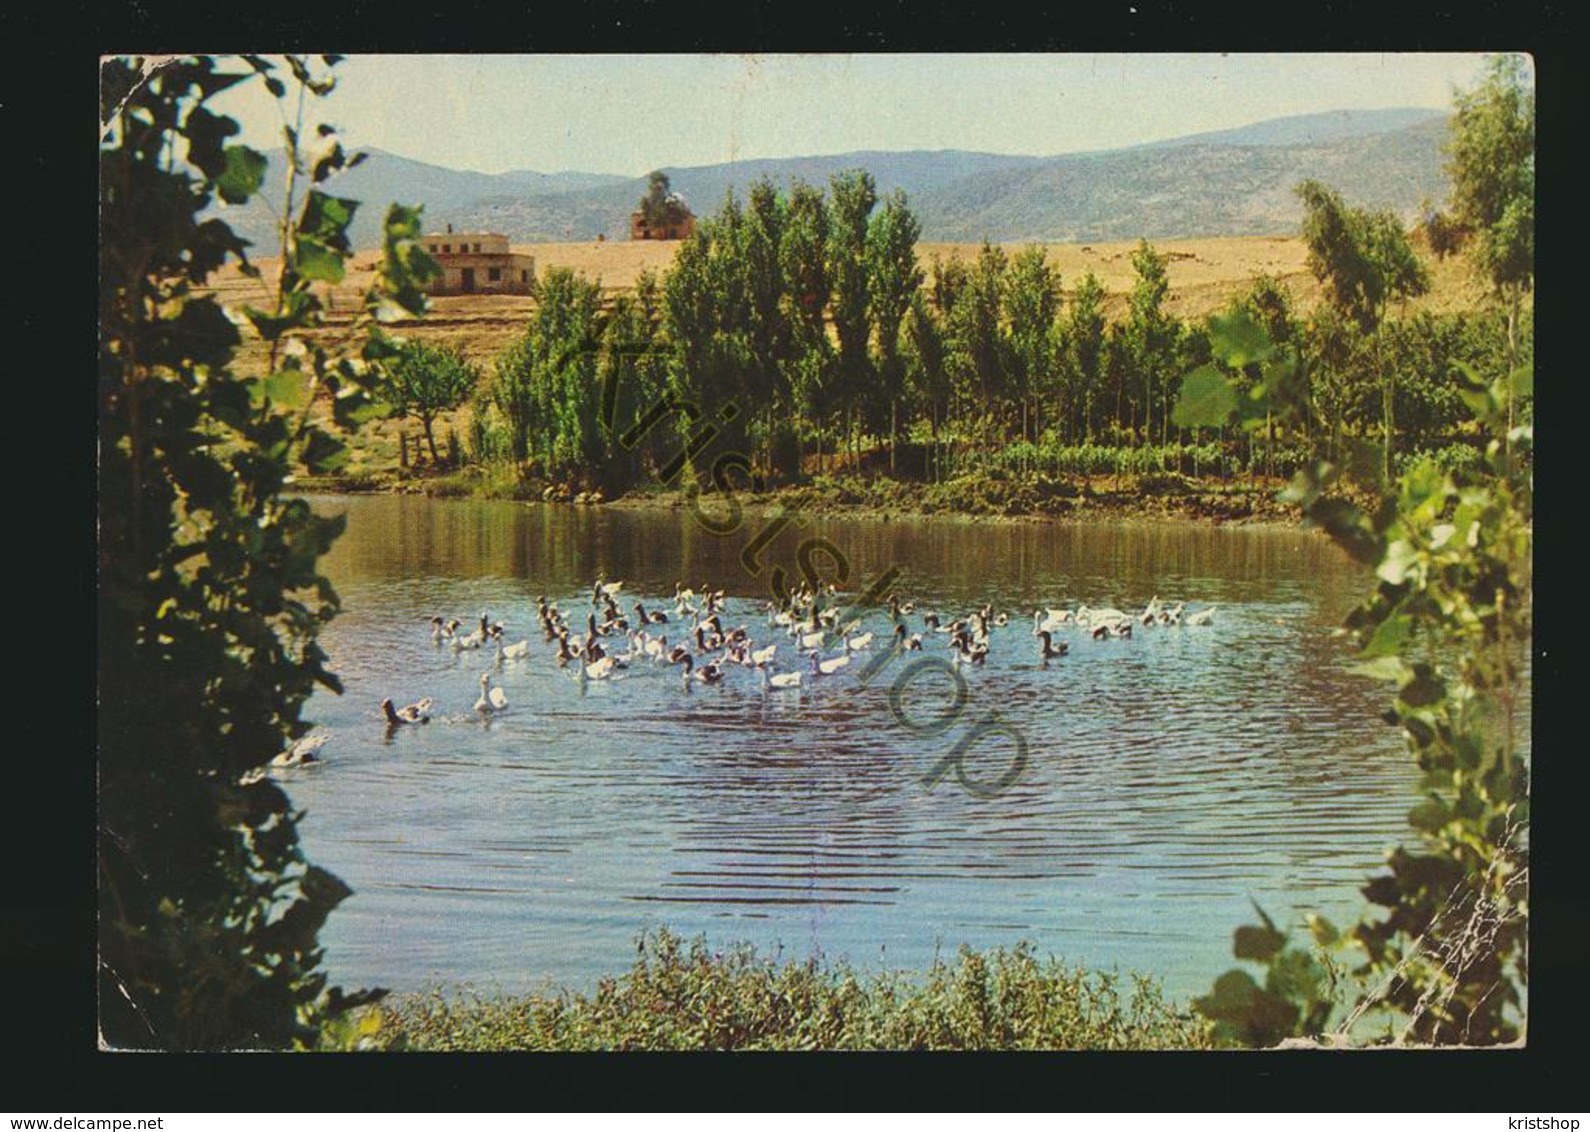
(803, 324)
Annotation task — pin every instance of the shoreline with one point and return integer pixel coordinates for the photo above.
(1210, 502)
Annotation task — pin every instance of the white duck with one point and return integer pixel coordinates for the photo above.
(1202, 617)
(303, 751)
(830, 666)
(813, 640)
(781, 680)
(1106, 616)
(1049, 620)
(300, 753)
(491, 699)
(516, 651)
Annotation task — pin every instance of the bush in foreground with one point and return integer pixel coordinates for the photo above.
(683, 996)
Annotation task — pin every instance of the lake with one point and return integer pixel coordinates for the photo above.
(1171, 779)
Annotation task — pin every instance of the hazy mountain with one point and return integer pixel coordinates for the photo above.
(385, 177)
(1190, 189)
(1312, 129)
(1227, 182)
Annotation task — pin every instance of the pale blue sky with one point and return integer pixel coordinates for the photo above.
(629, 114)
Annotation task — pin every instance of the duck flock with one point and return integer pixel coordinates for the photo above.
(812, 636)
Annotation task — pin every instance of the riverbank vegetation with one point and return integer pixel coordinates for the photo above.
(681, 995)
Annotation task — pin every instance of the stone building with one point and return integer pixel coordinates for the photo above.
(478, 263)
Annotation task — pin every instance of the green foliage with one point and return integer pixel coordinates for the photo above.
(209, 599)
(1492, 166)
(661, 208)
(1149, 338)
(974, 333)
(545, 385)
(852, 197)
(894, 278)
(425, 380)
(1207, 398)
(809, 316)
(1032, 309)
(1082, 353)
(1449, 625)
(684, 996)
(767, 313)
(1492, 148)
(1362, 258)
(1299, 991)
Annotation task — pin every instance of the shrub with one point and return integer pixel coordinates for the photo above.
(685, 996)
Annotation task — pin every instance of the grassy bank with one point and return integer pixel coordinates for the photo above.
(681, 995)
(1011, 496)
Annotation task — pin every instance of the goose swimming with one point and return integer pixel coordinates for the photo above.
(707, 673)
(830, 666)
(491, 698)
(908, 642)
(300, 753)
(303, 751)
(1049, 651)
(411, 713)
(516, 651)
(780, 680)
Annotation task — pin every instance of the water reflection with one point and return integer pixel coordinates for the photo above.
(1170, 777)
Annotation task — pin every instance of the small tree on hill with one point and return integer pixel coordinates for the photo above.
(661, 208)
(425, 381)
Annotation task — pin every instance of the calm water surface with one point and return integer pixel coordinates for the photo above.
(1172, 778)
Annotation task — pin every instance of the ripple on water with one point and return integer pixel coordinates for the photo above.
(1169, 778)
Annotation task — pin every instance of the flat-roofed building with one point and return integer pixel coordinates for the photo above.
(478, 263)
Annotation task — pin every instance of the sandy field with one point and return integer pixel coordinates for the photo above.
(1203, 274)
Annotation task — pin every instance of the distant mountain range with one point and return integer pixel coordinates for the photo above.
(1225, 183)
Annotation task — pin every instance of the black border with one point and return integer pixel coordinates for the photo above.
(48, 938)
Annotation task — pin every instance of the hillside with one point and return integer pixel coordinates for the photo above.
(1192, 190)
(385, 177)
(1232, 182)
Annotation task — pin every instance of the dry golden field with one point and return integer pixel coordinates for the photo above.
(1203, 274)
